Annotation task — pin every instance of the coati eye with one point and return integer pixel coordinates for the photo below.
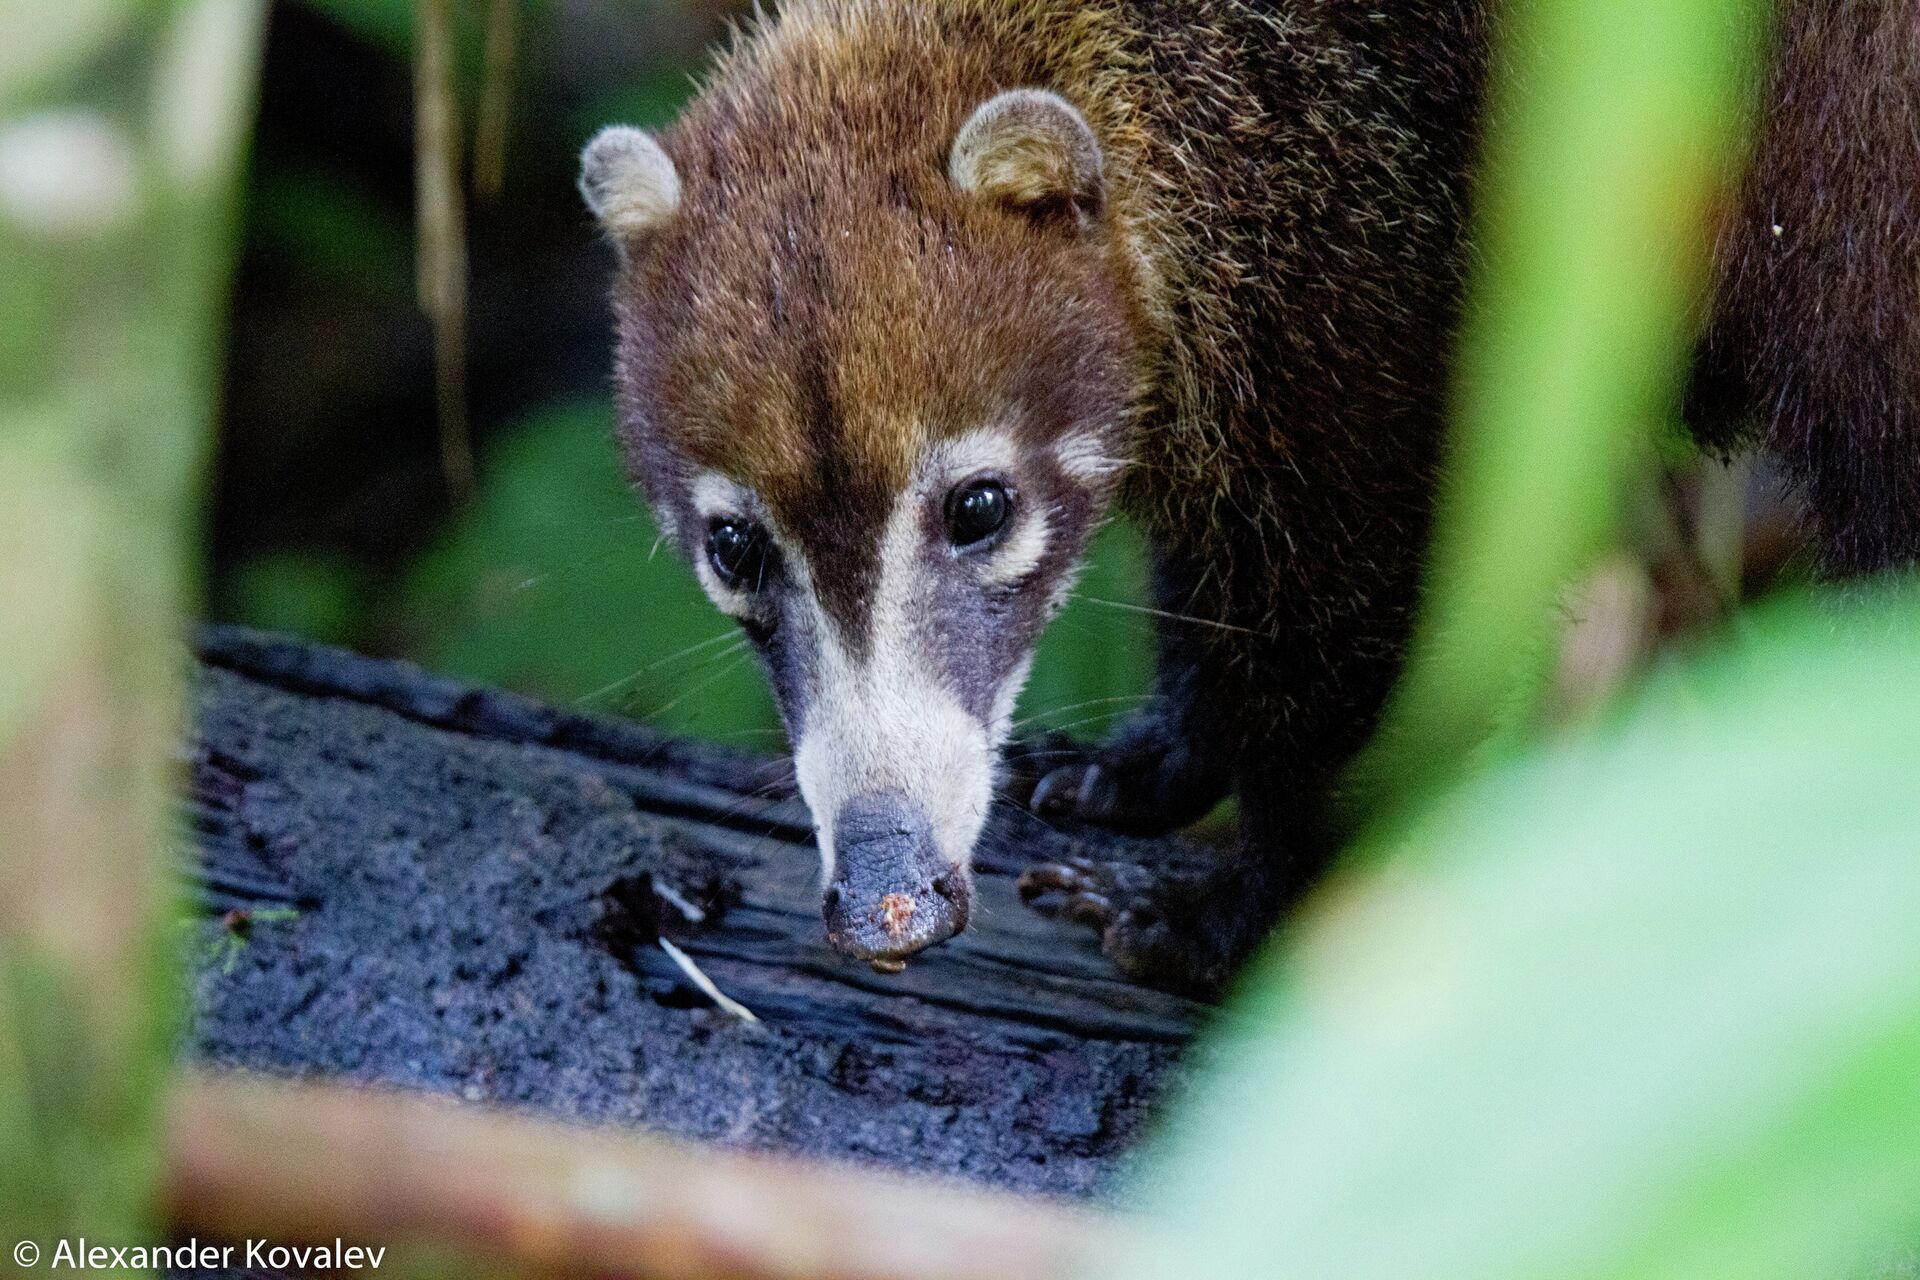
(739, 552)
(977, 510)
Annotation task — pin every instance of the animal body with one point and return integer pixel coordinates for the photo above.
(912, 293)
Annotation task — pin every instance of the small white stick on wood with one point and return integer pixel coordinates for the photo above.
(702, 981)
(678, 901)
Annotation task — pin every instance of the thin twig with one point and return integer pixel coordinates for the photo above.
(698, 977)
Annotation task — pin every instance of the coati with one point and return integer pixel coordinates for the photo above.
(912, 292)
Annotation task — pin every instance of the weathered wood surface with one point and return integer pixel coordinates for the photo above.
(455, 889)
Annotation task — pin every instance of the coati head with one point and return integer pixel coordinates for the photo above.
(876, 369)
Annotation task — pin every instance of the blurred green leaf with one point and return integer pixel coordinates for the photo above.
(1644, 1005)
(317, 595)
(123, 126)
(1613, 134)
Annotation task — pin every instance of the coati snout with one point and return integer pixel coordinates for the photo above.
(880, 409)
(892, 892)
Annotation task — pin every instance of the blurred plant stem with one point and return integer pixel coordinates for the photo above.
(118, 155)
(496, 100)
(443, 234)
(1614, 131)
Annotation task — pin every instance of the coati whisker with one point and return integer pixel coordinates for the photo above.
(765, 791)
(1168, 615)
(579, 566)
(1133, 699)
(739, 642)
(1068, 726)
(732, 658)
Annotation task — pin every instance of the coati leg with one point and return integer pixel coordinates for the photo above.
(1237, 698)
(1158, 770)
(1191, 933)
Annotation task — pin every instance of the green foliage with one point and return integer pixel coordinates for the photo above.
(121, 126)
(313, 594)
(1644, 1005)
(1095, 663)
(1613, 134)
(79, 1106)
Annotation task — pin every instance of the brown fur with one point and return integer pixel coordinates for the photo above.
(1237, 147)
(827, 301)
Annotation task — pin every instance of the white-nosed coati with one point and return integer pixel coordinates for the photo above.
(912, 292)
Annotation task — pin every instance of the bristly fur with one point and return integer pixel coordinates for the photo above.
(1287, 189)
(1259, 323)
(1816, 340)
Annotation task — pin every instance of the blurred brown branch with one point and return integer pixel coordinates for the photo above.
(250, 1157)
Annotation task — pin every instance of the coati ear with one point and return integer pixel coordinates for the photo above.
(629, 183)
(1029, 149)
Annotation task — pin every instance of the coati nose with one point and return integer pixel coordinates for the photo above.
(892, 892)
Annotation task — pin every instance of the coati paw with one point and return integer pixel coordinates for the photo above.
(1159, 931)
(1146, 780)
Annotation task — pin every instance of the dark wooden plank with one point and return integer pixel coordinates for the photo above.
(457, 889)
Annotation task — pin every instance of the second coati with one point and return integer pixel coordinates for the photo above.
(912, 292)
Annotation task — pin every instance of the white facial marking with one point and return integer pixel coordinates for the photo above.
(1019, 553)
(890, 723)
(718, 495)
(981, 449)
(1009, 694)
(1085, 457)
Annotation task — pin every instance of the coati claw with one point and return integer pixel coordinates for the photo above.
(1090, 909)
(1157, 930)
(1073, 890)
(1076, 876)
(1082, 790)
